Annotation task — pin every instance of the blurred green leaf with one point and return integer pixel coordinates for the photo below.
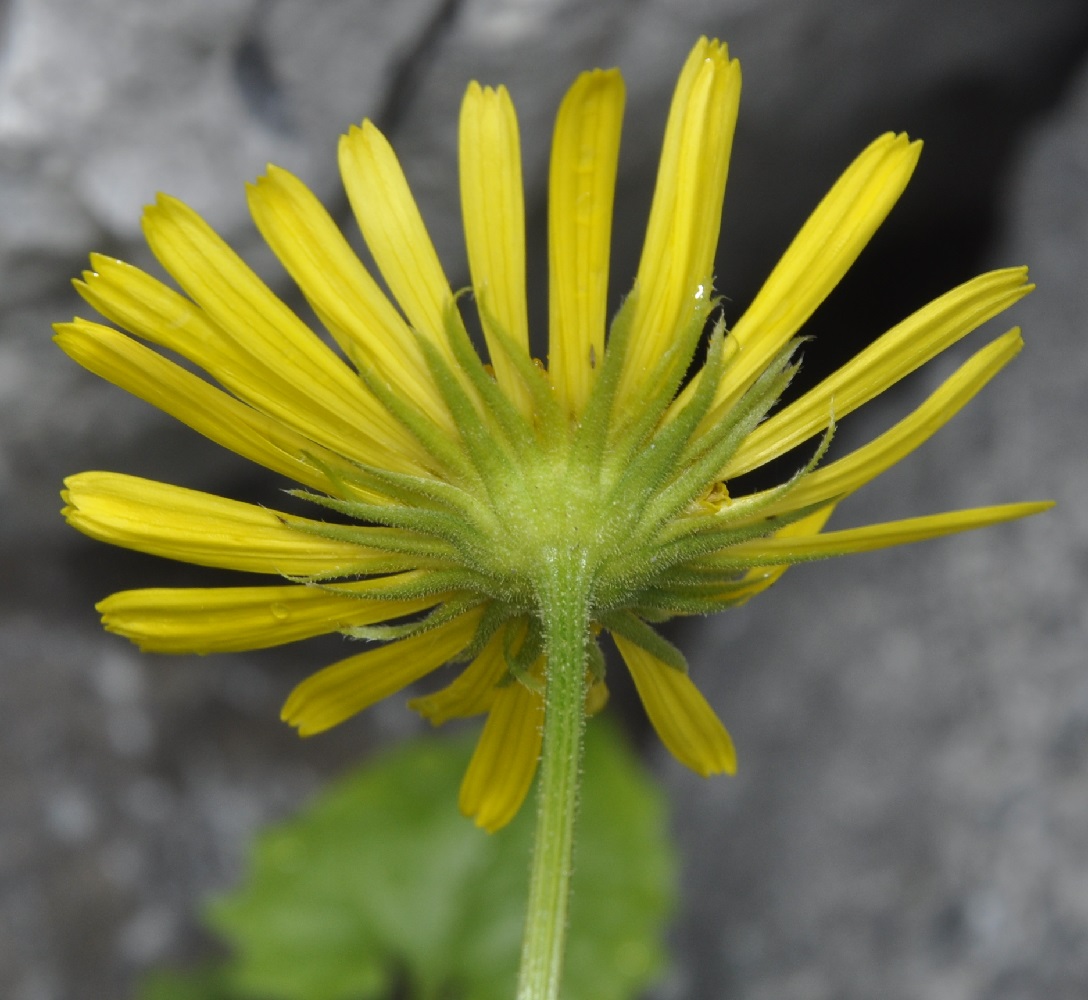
(205, 984)
(381, 889)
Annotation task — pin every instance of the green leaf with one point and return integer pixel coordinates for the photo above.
(204, 984)
(382, 889)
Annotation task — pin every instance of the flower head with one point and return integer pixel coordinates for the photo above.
(442, 487)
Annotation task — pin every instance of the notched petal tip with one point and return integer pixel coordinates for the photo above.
(163, 204)
(360, 135)
(484, 93)
(62, 331)
(69, 509)
(293, 719)
(308, 712)
(709, 48)
(101, 262)
(273, 177)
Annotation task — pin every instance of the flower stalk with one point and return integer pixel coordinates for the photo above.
(565, 610)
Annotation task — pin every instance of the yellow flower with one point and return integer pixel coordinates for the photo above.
(450, 482)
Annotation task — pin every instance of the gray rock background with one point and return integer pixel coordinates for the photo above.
(911, 814)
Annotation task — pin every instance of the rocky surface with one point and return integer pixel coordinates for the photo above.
(911, 811)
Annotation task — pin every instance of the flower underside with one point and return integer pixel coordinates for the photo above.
(451, 485)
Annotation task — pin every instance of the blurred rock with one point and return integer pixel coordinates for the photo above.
(909, 817)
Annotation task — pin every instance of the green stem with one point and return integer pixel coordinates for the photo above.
(564, 601)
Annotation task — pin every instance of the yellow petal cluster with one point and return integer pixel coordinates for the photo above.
(446, 482)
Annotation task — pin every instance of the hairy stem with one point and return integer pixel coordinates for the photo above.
(563, 592)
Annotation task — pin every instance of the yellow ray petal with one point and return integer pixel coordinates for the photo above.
(472, 691)
(581, 189)
(866, 463)
(197, 404)
(313, 387)
(597, 695)
(394, 231)
(682, 234)
(898, 352)
(339, 288)
(204, 529)
(273, 381)
(878, 536)
(821, 253)
(341, 690)
(501, 770)
(684, 721)
(230, 619)
(493, 209)
(762, 578)
(150, 310)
